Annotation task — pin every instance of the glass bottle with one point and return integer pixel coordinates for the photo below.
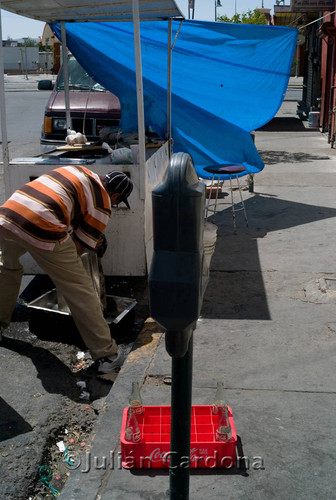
(135, 401)
(223, 432)
(132, 431)
(219, 397)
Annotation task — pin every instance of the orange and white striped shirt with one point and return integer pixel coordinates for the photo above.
(45, 210)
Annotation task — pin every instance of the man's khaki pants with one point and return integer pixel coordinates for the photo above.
(66, 269)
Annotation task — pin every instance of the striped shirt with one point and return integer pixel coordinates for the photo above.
(45, 210)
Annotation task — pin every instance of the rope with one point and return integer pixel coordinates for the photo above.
(319, 19)
(177, 34)
(45, 474)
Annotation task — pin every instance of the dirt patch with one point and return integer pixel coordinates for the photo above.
(44, 403)
(41, 403)
(62, 453)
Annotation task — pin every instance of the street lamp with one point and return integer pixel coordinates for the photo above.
(217, 4)
(191, 7)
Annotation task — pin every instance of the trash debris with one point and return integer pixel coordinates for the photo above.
(83, 444)
(71, 440)
(61, 446)
(84, 395)
(81, 384)
(167, 380)
(80, 355)
(45, 474)
(69, 460)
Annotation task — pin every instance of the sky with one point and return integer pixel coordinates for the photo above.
(15, 27)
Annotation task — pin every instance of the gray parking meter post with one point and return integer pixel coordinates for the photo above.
(175, 286)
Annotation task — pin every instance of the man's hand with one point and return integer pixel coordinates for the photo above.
(101, 246)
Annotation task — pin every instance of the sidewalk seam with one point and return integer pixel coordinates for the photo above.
(150, 327)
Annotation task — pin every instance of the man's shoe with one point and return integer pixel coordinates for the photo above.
(112, 364)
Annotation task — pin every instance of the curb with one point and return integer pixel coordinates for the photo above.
(105, 437)
(21, 90)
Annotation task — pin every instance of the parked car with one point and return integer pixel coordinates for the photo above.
(90, 103)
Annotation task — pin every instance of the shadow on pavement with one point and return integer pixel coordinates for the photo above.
(55, 376)
(11, 423)
(236, 288)
(285, 124)
(274, 157)
(241, 467)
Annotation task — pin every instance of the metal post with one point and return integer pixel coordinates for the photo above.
(65, 76)
(179, 471)
(26, 63)
(217, 4)
(169, 72)
(5, 151)
(140, 99)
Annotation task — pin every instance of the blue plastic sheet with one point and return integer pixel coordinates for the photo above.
(227, 80)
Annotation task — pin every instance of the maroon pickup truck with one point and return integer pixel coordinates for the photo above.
(90, 104)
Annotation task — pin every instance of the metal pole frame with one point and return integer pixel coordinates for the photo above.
(26, 60)
(169, 85)
(65, 76)
(5, 151)
(140, 99)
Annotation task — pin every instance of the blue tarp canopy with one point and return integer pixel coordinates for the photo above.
(227, 80)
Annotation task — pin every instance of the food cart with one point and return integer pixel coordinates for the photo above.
(129, 232)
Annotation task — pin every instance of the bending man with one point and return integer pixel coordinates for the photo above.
(55, 218)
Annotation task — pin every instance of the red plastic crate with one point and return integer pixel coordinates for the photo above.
(153, 450)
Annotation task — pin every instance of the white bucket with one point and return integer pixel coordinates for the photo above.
(209, 241)
(314, 119)
(208, 253)
(210, 233)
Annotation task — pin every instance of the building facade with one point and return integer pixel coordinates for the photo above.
(316, 21)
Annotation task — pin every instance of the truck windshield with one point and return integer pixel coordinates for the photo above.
(78, 78)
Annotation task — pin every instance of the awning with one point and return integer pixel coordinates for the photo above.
(53, 11)
(227, 80)
(82, 11)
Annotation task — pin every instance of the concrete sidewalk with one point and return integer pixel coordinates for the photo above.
(19, 83)
(267, 329)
